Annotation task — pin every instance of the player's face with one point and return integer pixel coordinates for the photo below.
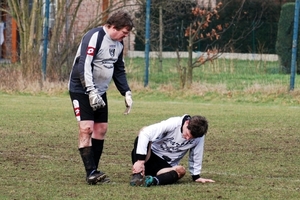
(119, 35)
(186, 133)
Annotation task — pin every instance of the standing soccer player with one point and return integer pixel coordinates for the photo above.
(98, 60)
(159, 148)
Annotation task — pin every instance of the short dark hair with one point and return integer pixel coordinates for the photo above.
(198, 126)
(120, 20)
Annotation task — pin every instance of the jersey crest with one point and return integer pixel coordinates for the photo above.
(112, 52)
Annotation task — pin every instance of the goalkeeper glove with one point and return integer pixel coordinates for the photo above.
(128, 102)
(96, 100)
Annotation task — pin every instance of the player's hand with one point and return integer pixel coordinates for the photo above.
(204, 180)
(139, 167)
(128, 102)
(96, 100)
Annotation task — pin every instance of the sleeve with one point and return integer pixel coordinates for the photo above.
(195, 159)
(119, 75)
(85, 62)
(154, 132)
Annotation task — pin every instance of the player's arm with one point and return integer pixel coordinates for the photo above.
(119, 75)
(152, 132)
(85, 66)
(149, 134)
(204, 180)
(120, 80)
(195, 162)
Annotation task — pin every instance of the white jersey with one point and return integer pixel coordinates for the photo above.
(168, 143)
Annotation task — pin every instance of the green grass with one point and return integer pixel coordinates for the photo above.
(235, 74)
(251, 150)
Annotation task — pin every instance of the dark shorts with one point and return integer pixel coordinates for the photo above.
(83, 110)
(154, 164)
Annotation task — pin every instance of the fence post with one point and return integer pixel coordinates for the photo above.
(147, 42)
(294, 46)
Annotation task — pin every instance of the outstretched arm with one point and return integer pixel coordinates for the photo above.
(204, 180)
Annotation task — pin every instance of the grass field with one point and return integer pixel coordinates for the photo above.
(251, 150)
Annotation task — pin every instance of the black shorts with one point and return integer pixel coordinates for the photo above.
(83, 110)
(154, 164)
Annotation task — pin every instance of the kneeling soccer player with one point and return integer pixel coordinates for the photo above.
(159, 148)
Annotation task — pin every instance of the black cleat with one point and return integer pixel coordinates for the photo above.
(94, 177)
(105, 180)
(136, 180)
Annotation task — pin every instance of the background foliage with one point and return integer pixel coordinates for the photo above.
(259, 40)
(284, 41)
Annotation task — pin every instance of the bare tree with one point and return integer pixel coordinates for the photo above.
(64, 34)
(27, 22)
(202, 28)
(164, 15)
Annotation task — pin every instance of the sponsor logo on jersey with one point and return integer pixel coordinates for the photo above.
(112, 52)
(90, 51)
(170, 145)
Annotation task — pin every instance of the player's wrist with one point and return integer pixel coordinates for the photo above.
(128, 93)
(141, 161)
(195, 177)
(140, 157)
(90, 88)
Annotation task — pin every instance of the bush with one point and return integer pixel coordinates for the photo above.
(285, 37)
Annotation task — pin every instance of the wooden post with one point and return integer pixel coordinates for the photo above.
(3, 46)
(105, 11)
(14, 39)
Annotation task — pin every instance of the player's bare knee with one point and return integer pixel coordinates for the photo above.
(180, 171)
(87, 130)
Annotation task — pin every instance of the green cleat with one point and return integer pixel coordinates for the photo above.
(147, 181)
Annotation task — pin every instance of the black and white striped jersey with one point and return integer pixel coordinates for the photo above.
(97, 61)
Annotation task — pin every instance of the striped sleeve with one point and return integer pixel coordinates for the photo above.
(85, 64)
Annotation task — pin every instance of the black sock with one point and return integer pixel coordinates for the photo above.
(97, 146)
(87, 157)
(166, 178)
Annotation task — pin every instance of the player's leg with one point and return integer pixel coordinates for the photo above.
(87, 153)
(159, 172)
(137, 178)
(98, 136)
(179, 169)
(168, 175)
(165, 176)
(100, 129)
(84, 116)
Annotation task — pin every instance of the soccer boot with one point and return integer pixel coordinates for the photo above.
(94, 177)
(147, 181)
(105, 180)
(136, 180)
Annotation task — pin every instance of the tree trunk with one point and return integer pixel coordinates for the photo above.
(189, 78)
(181, 71)
(160, 38)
